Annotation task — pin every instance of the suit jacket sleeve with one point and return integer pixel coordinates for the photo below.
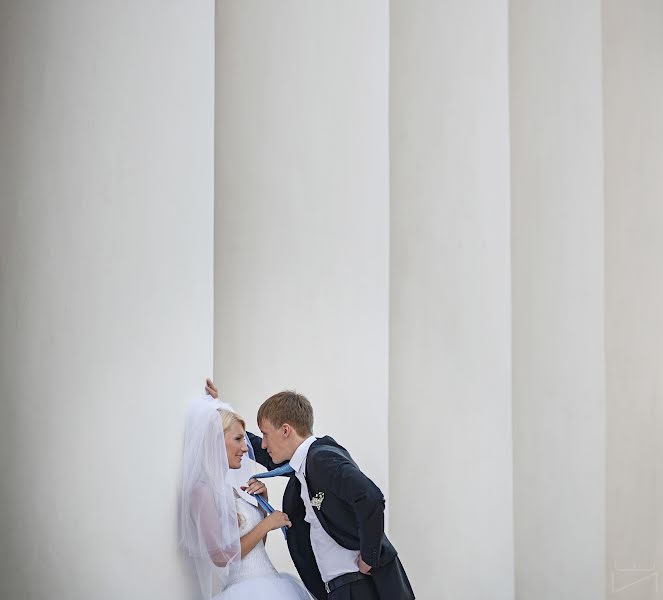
(261, 455)
(347, 482)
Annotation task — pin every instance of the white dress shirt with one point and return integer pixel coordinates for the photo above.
(333, 560)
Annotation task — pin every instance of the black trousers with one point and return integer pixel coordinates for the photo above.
(364, 589)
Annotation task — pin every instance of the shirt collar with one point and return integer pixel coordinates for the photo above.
(298, 460)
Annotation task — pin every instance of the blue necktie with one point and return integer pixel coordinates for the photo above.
(285, 469)
(266, 506)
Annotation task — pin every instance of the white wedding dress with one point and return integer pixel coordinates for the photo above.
(256, 578)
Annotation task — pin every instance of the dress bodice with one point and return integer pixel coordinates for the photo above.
(256, 563)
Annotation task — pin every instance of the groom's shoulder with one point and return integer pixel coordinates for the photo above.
(325, 443)
(326, 449)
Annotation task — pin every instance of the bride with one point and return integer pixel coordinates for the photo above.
(222, 526)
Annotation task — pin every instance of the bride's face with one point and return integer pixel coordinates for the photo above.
(235, 445)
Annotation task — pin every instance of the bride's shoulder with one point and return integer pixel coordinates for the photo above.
(201, 491)
(200, 487)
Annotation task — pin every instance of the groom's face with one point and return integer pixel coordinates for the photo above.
(275, 441)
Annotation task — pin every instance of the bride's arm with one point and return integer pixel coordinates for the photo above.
(253, 537)
(274, 521)
(206, 516)
(256, 441)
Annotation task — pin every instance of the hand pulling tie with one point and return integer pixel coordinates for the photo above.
(266, 506)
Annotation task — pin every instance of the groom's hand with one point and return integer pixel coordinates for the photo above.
(210, 388)
(363, 567)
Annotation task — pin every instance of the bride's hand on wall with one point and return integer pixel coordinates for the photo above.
(210, 388)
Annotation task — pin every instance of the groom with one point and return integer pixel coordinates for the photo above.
(337, 539)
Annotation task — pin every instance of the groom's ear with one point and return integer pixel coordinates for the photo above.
(286, 429)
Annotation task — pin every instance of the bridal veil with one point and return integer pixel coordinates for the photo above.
(209, 524)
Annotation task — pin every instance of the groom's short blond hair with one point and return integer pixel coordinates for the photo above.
(288, 407)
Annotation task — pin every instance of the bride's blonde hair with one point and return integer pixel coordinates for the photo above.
(228, 418)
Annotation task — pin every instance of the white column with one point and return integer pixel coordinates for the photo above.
(450, 357)
(301, 257)
(106, 166)
(558, 351)
(633, 91)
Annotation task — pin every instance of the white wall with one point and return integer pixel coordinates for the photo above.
(558, 352)
(633, 95)
(394, 315)
(301, 257)
(106, 165)
(450, 362)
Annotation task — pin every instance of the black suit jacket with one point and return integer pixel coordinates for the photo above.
(352, 513)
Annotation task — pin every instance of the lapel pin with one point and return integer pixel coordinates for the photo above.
(316, 501)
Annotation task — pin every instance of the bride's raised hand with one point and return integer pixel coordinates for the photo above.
(256, 488)
(277, 520)
(210, 388)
